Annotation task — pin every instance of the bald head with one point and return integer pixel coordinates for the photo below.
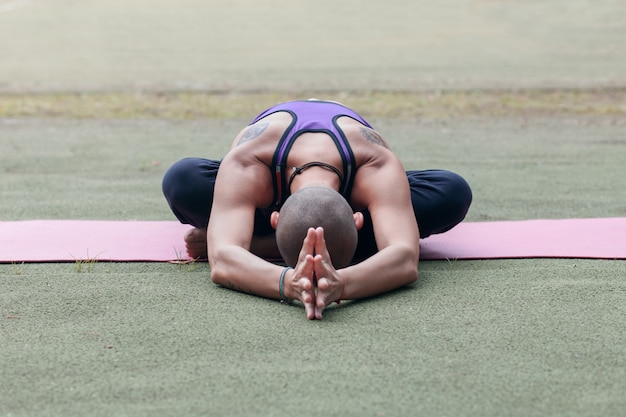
(317, 207)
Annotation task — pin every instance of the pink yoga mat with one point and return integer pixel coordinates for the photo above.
(603, 238)
(70, 240)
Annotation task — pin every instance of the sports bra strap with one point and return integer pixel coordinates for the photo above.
(298, 170)
(314, 117)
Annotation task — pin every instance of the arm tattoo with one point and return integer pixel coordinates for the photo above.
(253, 132)
(373, 137)
(231, 285)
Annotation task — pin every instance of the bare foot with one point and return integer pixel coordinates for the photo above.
(195, 241)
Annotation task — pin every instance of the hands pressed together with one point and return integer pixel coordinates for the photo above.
(314, 280)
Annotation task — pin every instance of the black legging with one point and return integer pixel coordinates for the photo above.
(440, 199)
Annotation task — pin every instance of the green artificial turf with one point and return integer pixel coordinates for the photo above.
(519, 337)
(514, 337)
(524, 99)
(182, 105)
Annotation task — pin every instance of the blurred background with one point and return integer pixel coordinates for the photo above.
(242, 45)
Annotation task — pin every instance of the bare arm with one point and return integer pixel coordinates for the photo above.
(238, 191)
(240, 188)
(265, 247)
(385, 192)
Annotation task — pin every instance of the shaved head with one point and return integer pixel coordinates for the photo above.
(317, 207)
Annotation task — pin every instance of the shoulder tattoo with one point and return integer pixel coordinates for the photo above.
(373, 137)
(253, 132)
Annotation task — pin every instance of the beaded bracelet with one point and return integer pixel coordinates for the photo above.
(283, 299)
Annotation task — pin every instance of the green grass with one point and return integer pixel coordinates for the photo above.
(93, 109)
(384, 104)
(491, 338)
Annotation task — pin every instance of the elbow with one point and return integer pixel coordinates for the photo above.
(218, 272)
(224, 263)
(217, 277)
(411, 260)
(412, 275)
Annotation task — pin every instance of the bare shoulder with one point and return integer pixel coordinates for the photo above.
(372, 136)
(268, 129)
(380, 179)
(359, 134)
(381, 186)
(379, 171)
(244, 177)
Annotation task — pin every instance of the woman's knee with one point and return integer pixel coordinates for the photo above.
(459, 193)
(188, 188)
(457, 201)
(441, 199)
(188, 177)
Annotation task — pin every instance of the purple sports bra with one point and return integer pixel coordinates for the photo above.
(312, 116)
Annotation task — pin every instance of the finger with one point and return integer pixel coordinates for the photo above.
(309, 304)
(320, 243)
(307, 267)
(323, 287)
(323, 267)
(305, 285)
(302, 272)
(323, 284)
(307, 296)
(318, 313)
(327, 293)
(308, 245)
